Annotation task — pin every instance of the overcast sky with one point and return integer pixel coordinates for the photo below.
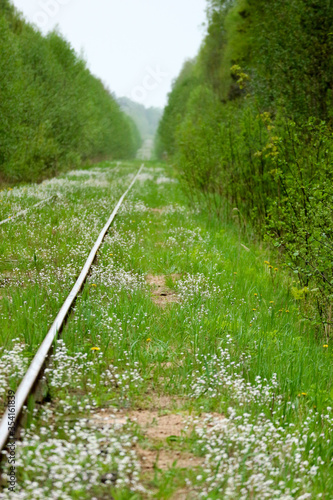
(137, 47)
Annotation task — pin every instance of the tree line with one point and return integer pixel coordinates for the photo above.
(53, 112)
(249, 125)
(146, 119)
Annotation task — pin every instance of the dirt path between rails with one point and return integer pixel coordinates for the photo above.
(161, 293)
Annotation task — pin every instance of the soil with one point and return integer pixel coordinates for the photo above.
(162, 459)
(161, 294)
(163, 424)
(159, 425)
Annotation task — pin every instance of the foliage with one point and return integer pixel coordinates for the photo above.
(250, 128)
(293, 46)
(53, 112)
(199, 139)
(301, 216)
(174, 111)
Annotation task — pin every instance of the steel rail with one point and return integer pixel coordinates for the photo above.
(23, 212)
(31, 376)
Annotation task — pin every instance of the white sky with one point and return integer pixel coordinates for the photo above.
(137, 47)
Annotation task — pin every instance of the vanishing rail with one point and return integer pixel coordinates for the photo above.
(32, 375)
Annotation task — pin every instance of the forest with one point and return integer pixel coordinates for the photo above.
(249, 124)
(54, 113)
(146, 119)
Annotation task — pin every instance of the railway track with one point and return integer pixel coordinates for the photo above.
(24, 212)
(147, 393)
(12, 415)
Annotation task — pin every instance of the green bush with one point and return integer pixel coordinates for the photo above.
(301, 216)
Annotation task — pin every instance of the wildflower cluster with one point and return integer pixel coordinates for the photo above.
(67, 370)
(77, 370)
(219, 375)
(184, 237)
(196, 287)
(133, 207)
(123, 380)
(256, 459)
(13, 365)
(74, 460)
(116, 278)
(120, 238)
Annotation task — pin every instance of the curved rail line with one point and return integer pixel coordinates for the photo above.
(23, 212)
(29, 380)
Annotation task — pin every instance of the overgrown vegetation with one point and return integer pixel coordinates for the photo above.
(229, 359)
(249, 123)
(53, 112)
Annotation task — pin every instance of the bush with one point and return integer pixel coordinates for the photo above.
(301, 216)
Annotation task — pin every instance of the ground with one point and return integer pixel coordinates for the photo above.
(184, 371)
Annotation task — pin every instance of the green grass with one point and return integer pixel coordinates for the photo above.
(236, 319)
